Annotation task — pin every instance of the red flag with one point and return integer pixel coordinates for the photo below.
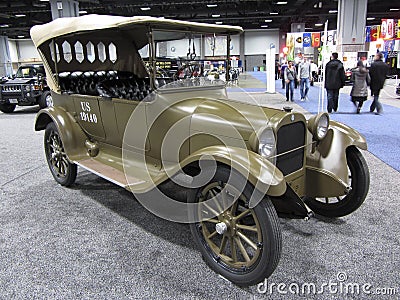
(316, 39)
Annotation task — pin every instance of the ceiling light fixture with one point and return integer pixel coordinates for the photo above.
(318, 24)
(44, 0)
(21, 36)
(20, 15)
(370, 18)
(215, 16)
(273, 13)
(218, 22)
(281, 2)
(394, 9)
(212, 5)
(145, 8)
(264, 26)
(333, 11)
(4, 25)
(82, 12)
(267, 20)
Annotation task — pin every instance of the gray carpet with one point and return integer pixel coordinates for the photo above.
(95, 241)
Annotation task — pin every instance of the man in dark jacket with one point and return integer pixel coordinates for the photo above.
(334, 80)
(378, 72)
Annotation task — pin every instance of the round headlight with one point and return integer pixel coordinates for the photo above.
(267, 143)
(28, 88)
(319, 125)
(322, 126)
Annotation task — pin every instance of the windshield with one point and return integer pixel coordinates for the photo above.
(182, 55)
(29, 71)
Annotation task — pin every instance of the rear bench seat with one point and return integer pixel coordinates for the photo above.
(112, 84)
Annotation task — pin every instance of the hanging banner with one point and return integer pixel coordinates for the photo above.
(396, 32)
(307, 39)
(290, 45)
(390, 29)
(383, 29)
(375, 32)
(367, 34)
(316, 39)
(298, 40)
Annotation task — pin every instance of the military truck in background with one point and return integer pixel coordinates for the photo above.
(27, 87)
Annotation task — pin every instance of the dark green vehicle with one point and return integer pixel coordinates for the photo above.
(120, 115)
(28, 87)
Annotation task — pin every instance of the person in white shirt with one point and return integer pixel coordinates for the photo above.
(304, 77)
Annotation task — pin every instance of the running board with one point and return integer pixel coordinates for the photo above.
(109, 173)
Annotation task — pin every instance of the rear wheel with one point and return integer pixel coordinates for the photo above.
(359, 181)
(242, 244)
(63, 171)
(7, 108)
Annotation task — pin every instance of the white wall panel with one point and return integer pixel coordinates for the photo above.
(257, 41)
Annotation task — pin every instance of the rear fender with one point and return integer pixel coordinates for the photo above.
(71, 133)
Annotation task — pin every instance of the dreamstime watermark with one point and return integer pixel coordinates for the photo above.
(338, 286)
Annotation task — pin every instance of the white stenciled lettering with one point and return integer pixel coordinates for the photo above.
(88, 117)
(85, 106)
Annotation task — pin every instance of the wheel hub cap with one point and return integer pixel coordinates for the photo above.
(221, 227)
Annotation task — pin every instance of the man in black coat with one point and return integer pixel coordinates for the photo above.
(334, 80)
(378, 72)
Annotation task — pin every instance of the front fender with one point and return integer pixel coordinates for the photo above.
(326, 166)
(261, 173)
(71, 133)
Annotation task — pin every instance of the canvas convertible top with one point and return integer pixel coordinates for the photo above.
(65, 26)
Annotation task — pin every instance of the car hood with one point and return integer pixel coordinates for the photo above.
(226, 117)
(20, 80)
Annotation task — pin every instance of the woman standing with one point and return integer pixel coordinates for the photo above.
(360, 79)
(290, 78)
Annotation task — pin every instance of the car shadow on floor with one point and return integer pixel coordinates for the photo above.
(124, 203)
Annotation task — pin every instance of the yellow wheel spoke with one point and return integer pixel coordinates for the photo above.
(246, 227)
(233, 250)
(211, 221)
(242, 249)
(243, 214)
(247, 240)
(223, 244)
(212, 235)
(213, 211)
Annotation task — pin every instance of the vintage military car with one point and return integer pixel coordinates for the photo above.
(28, 87)
(120, 115)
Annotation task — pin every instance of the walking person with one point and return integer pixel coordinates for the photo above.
(290, 78)
(360, 79)
(314, 72)
(283, 67)
(304, 77)
(334, 80)
(378, 72)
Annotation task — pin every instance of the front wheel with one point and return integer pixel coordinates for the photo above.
(63, 171)
(45, 100)
(242, 244)
(343, 205)
(7, 108)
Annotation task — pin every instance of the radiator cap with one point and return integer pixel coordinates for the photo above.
(287, 108)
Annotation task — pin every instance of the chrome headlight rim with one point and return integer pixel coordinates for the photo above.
(319, 125)
(266, 146)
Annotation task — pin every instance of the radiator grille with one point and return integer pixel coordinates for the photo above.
(289, 137)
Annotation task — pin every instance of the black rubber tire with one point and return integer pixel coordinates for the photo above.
(359, 183)
(7, 108)
(270, 250)
(63, 171)
(43, 99)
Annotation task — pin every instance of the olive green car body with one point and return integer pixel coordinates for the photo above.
(98, 146)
